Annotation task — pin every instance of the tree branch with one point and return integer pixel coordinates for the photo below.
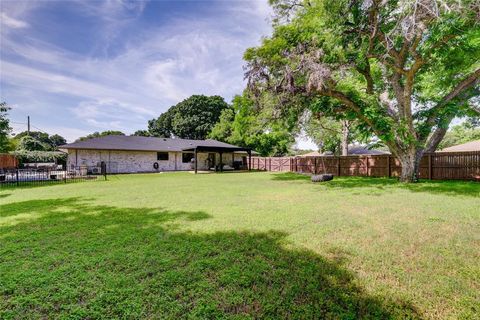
(460, 88)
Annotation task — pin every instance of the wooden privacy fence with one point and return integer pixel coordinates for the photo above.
(437, 166)
(8, 161)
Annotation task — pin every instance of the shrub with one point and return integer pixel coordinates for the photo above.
(25, 156)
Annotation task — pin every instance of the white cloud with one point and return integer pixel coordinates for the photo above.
(157, 68)
(12, 22)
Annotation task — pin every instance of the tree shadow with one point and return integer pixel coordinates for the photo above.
(290, 176)
(446, 187)
(4, 195)
(88, 261)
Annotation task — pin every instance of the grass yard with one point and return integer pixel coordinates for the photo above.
(240, 245)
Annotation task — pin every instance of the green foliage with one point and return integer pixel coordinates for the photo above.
(162, 126)
(460, 134)
(29, 143)
(38, 141)
(242, 125)
(27, 156)
(402, 69)
(326, 133)
(4, 128)
(57, 140)
(193, 118)
(102, 134)
(142, 133)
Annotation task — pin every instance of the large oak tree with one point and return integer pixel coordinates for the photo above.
(192, 118)
(402, 68)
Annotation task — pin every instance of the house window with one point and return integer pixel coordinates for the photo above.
(162, 156)
(187, 157)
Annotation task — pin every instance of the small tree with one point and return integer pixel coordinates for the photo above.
(29, 143)
(403, 69)
(4, 128)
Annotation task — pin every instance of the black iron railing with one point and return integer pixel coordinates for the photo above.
(36, 176)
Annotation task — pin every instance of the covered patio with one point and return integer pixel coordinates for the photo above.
(221, 151)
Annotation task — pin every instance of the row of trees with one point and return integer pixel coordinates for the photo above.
(25, 141)
(203, 117)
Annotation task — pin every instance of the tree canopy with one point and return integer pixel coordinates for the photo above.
(97, 134)
(242, 125)
(142, 133)
(459, 134)
(38, 141)
(193, 118)
(402, 69)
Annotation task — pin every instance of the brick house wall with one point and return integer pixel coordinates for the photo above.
(139, 161)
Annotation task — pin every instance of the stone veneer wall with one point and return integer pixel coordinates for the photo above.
(139, 161)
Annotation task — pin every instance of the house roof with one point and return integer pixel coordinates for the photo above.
(469, 146)
(352, 151)
(138, 143)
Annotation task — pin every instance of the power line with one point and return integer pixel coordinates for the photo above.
(39, 129)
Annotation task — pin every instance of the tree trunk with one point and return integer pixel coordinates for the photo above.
(345, 133)
(410, 162)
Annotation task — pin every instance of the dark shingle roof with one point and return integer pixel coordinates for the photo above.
(138, 143)
(361, 150)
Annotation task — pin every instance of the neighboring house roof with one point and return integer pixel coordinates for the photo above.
(360, 150)
(469, 146)
(310, 154)
(138, 143)
(352, 151)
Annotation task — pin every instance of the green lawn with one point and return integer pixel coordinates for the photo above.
(240, 245)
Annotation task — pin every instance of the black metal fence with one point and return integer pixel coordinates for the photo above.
(41, 176)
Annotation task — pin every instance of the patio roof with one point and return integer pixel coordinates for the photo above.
(203, 148)
(219, 149)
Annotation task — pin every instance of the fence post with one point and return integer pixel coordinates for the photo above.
(16, 171)
(389, 172)
(368, 174)
(338, 166)
(315, 165)
(430, 166)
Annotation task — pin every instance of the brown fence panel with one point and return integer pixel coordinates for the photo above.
(454, 166)
(438, 166)
(8, 161)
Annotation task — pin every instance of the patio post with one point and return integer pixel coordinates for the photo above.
(196, 160)
(221, 161)
(249, 160)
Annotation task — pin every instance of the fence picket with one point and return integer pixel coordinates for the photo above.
(435, 166)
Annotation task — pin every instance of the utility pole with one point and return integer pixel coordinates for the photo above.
(28, 125)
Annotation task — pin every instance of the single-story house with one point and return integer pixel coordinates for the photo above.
(132, 154)
(353, 150)
(469, 146)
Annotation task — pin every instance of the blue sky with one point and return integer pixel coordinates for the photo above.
(81, 66)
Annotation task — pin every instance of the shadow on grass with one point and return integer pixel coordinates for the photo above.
(47, 183)
(79, 260)
(290, 176)
(464, 188)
